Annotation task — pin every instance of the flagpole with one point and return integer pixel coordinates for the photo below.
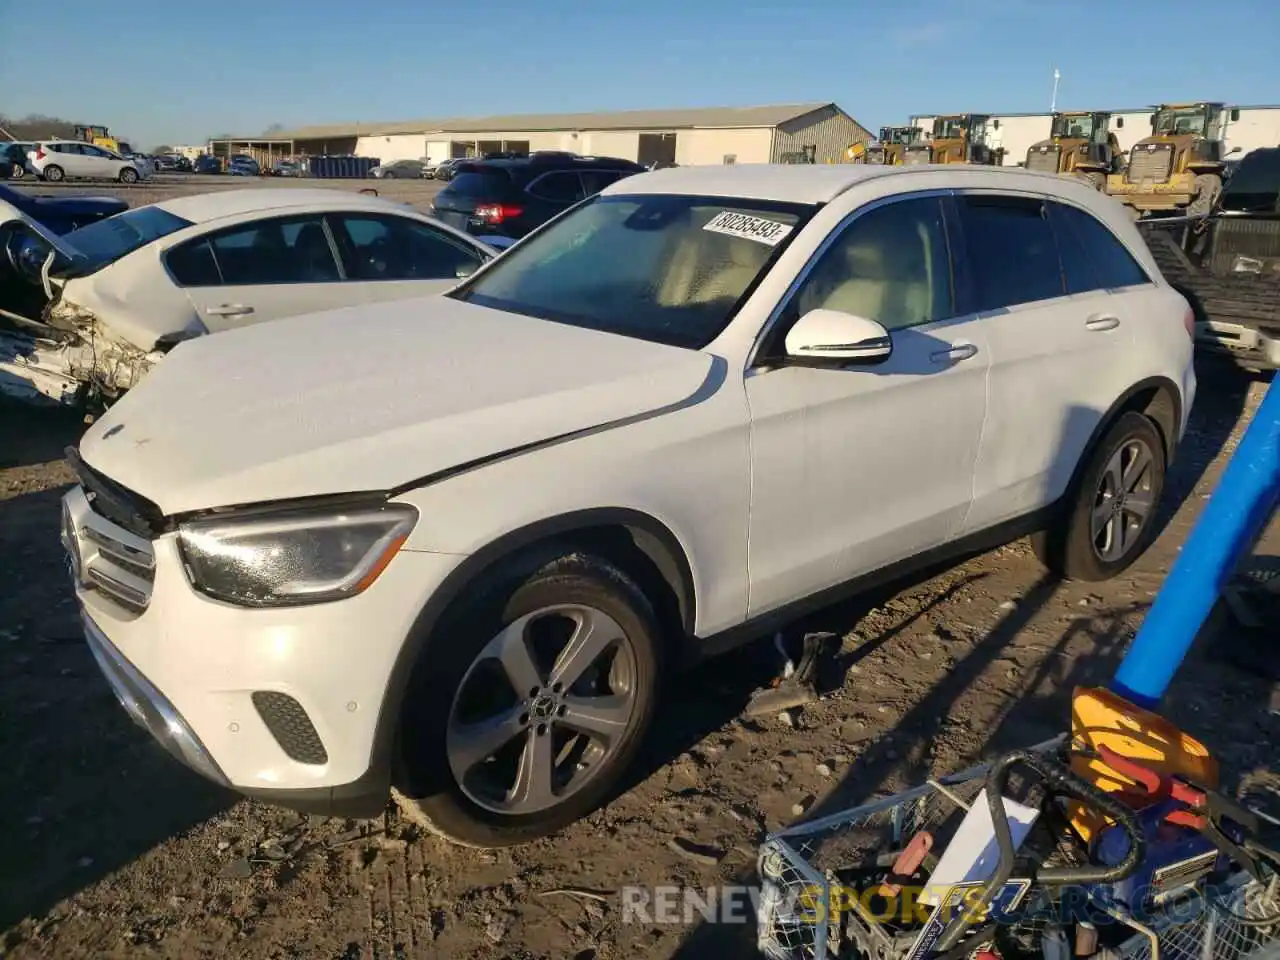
(1053, 104)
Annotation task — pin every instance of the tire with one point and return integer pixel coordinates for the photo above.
(17, 172)
(1208, 188)
(1070, 547)
(52, 173)
(388, 175)
(128, 175)
(449, 784)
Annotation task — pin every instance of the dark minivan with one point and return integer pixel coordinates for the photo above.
(509, 198)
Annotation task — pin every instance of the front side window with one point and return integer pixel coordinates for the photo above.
(890, 265)
(282, 250)
(1012, 251)
(671, 269)
(394, 248)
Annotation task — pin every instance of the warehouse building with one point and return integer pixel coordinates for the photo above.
(817, 132)
(1248, 127)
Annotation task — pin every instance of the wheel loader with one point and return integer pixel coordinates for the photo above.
(956, 138)
(1179, 167)
(101, 137)
(1080, 145)
(887, 149)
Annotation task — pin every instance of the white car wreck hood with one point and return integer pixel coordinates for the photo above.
(370, 398)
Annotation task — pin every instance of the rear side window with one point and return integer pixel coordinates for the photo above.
(593, 181)
(1013, 255)
(193, 265)
(561, 187)
(482, 185)
(1110, 264)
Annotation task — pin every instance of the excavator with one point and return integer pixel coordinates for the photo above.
(957, 138)
(1179, 167)
(1081, 145)
(888, 149)
(101, 137)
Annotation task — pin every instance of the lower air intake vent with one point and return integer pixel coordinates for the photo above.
(291, 726)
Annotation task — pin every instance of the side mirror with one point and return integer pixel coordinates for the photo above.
(830, 336)
(466, 270)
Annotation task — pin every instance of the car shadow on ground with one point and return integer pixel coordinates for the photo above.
(84, 791)
(903, 755)
(31, 435)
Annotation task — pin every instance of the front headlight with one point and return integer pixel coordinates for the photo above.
(293, 558)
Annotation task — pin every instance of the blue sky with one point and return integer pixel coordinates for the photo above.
(184, 70)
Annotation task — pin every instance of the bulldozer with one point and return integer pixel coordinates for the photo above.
(1080, 145)
(1179, 168)
(101, 137)
(888, 149)
(956, 138)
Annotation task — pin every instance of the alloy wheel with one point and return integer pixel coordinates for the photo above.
(1124, 502)
(541, 708)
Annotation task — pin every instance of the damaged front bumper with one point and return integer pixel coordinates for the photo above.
(67, 358)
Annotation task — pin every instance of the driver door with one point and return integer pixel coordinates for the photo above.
(856, 467)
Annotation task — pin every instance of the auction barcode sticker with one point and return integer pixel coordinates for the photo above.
(768, 232)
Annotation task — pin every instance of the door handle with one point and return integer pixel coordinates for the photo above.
(229, 310)
(961, 351)
(1102, 321)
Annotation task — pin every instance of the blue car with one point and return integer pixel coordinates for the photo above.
(242, 166)
(63, 214)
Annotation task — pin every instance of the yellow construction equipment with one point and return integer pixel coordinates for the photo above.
(888, 148)
(957, 138)
(1179, 167)
(1080, 145)
(101, 137)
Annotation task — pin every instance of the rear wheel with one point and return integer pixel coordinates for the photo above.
(53, 173)
(1110, 520)
(537, 697)
(128, 175)
(1208, 187)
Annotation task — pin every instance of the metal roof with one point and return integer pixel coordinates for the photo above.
(705, 117)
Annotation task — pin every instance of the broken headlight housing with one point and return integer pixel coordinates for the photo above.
(293, 558)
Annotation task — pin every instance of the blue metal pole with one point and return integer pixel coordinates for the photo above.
(1232, 521)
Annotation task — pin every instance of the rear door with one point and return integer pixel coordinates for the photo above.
(261, 270)
(1060, 344)
(72, 159)
(386, 257)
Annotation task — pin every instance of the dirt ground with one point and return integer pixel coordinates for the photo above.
(110, 848)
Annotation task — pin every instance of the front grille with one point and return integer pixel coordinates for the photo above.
(1150, 163)
(289, 724)
(913, 157)
(1044, 159)
(104, 556)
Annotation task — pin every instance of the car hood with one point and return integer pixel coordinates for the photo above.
(370, 398)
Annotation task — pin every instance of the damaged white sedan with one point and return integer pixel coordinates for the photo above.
(85, 315)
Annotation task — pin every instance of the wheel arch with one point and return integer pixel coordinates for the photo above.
(636, 542)
(1157, 398)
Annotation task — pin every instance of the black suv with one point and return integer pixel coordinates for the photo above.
(511, 197)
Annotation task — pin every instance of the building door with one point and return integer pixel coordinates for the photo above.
(659, 148)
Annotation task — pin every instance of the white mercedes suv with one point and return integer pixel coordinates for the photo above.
(454, 545)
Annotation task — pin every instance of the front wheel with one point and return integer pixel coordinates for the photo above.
(388, 175)
(128, 175)
(537, 696)
(1111, 512)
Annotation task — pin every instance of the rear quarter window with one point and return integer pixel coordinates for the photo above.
(1110, 262)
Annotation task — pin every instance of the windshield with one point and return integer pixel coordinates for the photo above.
(671, 269)
(108, 240)
(1255, 185)
(1180, 121)
(948, 128)
(1074, 127)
